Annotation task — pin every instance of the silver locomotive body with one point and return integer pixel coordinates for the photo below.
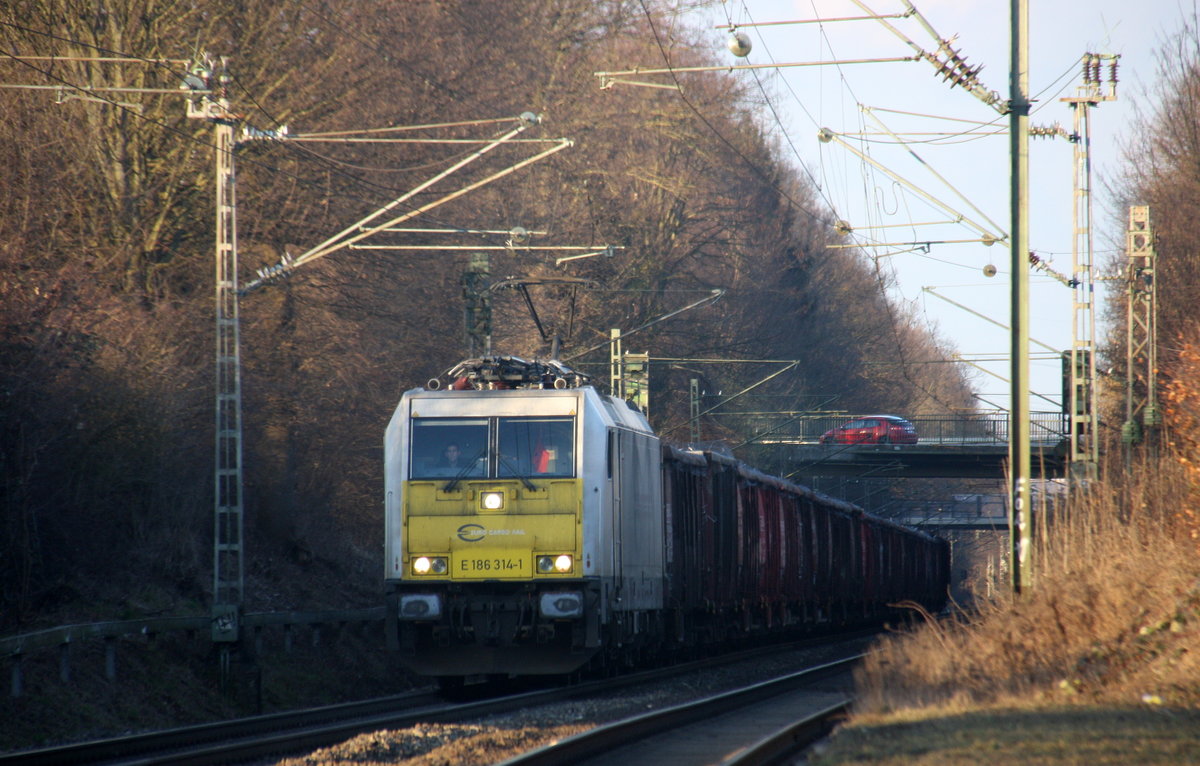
(558, 532)
(542, 547)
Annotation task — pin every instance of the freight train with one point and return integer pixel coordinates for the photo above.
(537, 526)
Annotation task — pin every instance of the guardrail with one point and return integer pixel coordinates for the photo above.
(63, 637)
(976, 429)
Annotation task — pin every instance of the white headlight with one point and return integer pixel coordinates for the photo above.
(423, 565)
(492, 501)
(560, 564)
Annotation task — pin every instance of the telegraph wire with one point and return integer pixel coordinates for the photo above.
(333, 161)
(163, 63)
(889, 308)
(778, 120)
(748, 162)
(329, 162)
(334, 164)
(206, 143)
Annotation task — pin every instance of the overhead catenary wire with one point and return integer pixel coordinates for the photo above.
(63, 83)
(136, 112)
(700, 115)
(779, 121)
(819, 187)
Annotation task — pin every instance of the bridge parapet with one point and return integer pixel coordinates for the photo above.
(985, 428)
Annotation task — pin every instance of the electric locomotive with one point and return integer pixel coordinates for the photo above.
(534, 525)
(543, 544)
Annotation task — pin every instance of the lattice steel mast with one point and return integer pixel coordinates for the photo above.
(228, 550)
(1081, 392)
(1141, 348)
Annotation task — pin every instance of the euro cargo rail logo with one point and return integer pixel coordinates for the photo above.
(473, 533)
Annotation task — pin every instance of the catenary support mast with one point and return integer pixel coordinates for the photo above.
(1021, 519)
(228, 550)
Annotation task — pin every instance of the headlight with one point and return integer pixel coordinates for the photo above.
(561, 564)
(491, 501)
(424, 565)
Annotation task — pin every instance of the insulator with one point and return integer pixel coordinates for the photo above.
(1131, 432)
(1152, 417)
(738, 43)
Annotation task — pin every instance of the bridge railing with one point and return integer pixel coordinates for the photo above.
(985, 428)
(957, 510)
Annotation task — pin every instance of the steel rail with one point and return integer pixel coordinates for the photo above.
(790, 740)
(598, 741)
(170, 745)
(294, 731)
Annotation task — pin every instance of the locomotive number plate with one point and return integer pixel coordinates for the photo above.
(480, 565)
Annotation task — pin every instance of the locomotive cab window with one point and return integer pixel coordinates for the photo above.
(536, 447)
(504, 448)
(449, 448)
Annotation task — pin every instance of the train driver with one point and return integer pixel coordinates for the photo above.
(451, 463)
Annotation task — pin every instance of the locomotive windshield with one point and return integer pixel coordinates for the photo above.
(536, 447)
(504, 448)
(450, 447)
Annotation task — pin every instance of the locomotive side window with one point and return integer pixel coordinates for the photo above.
(449, 447)
(609, 454)
(536, 447)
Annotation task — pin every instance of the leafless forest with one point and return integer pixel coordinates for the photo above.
(106, 259)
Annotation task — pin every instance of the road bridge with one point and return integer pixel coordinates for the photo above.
(971, 446)
(971, 511)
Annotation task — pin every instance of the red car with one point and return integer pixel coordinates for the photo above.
(872, 429)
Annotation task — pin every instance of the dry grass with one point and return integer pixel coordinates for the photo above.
(1114, 608)
(1112, 623)
(1049, 736)
(1098, 664)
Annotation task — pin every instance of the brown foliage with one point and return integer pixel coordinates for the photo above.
(1162, 170)
(1114, 608)
(1182, 414)
(106, 232)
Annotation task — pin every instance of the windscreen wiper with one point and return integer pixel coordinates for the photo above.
(517, 474)
(462, 473)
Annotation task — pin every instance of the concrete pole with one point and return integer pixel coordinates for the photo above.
(1021, 512)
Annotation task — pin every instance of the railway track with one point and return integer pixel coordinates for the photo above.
(281, 734)
(241, 738)
(760, 723)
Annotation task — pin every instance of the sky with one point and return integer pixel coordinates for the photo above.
(967, 173)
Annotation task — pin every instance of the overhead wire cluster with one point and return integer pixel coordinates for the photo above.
(775, 115)
(182, 71)
(952, 66)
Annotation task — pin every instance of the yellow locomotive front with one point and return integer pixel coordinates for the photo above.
(492, 497)
(484, 512)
